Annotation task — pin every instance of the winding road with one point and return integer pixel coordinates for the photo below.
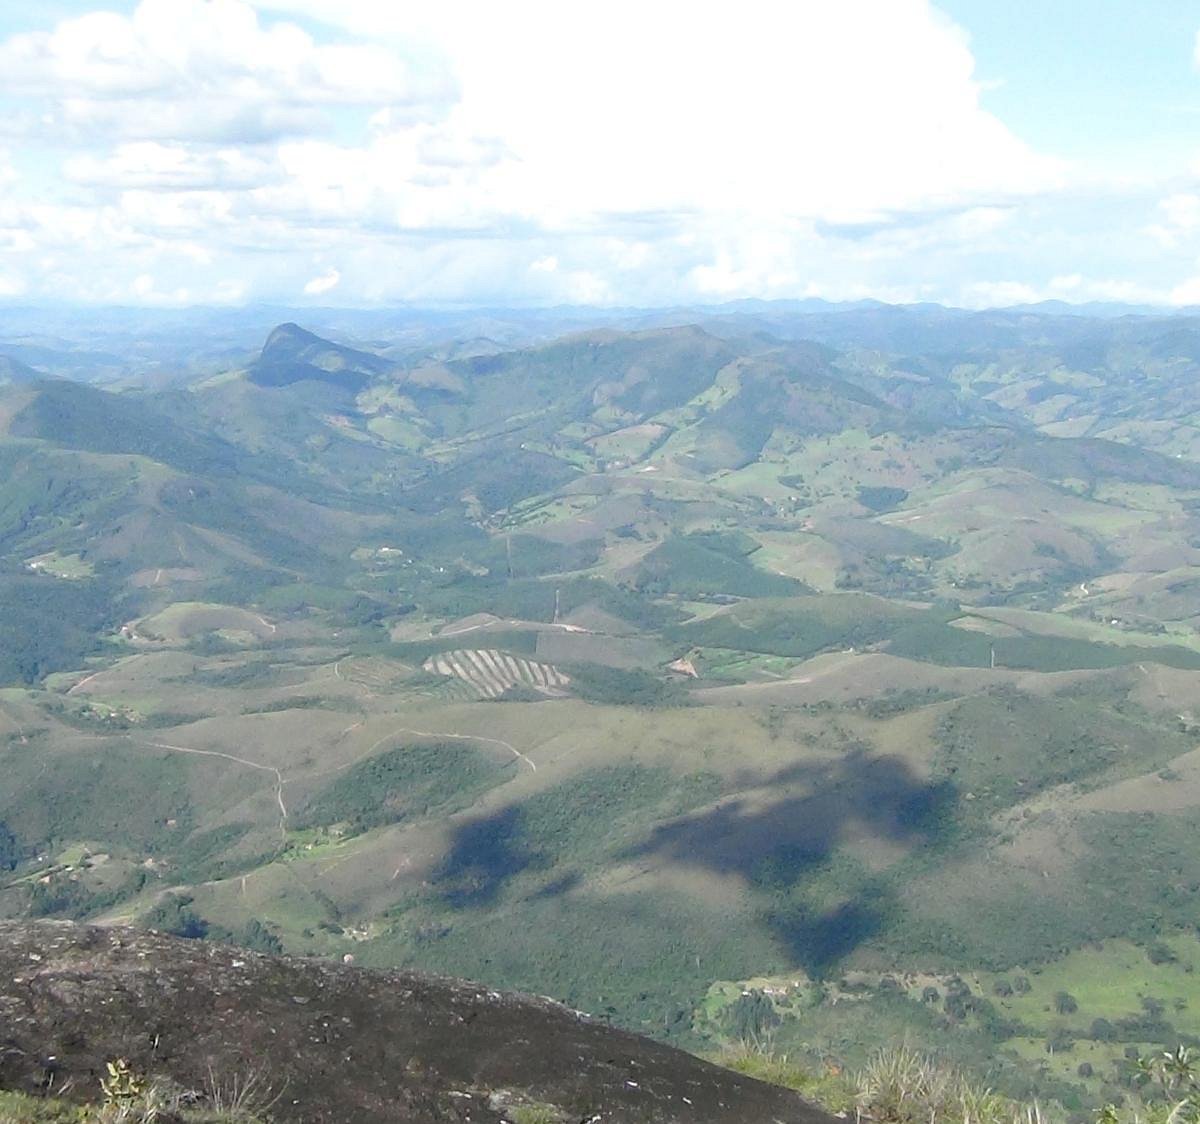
(279, 781)
(465, 738)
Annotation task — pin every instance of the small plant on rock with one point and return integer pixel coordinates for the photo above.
(122, 1086)
(128, 1097)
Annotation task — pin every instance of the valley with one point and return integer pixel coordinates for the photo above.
(822, 677)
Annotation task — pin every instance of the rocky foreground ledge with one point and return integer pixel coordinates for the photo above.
(336, 1043)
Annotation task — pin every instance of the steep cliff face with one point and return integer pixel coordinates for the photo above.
(336, 1043)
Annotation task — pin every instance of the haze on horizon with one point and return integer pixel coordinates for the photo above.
(344, 152)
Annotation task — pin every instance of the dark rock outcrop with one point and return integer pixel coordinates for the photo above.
(338, 1043)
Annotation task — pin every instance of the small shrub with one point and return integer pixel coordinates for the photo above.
(1065, 1003)
(121, 1085)
(903, 1086)
(1159, 952)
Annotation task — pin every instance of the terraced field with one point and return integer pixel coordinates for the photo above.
(491, 672)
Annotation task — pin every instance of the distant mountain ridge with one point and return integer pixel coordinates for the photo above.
(14, 371)
(158, 345)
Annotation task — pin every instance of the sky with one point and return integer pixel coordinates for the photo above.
(627, 153)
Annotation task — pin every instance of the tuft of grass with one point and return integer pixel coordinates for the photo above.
(907, 1087)
(827, 1084)
(16, 1108)
(240, 1098)
(897, 1086)
(157, 1106)
(131, 1098)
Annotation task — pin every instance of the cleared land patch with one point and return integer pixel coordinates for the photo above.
(69, 567)
(491, 672)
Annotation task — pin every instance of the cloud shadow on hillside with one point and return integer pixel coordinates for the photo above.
(780, 845)
(861, 793)
(484, 856)
(777, 844)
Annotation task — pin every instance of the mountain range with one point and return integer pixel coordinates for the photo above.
(829, 674)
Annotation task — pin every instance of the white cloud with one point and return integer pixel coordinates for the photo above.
(998, 294)
(462, 150)
(1182, 211)
(170, 167)
(205, 69)
(323, 284)
(232, 290)
(1186, 294)
(146, 289)
(1109, 289)
(652, 129)
(1181, 219)
(447, 149)
(844, 111)
(1074, 288)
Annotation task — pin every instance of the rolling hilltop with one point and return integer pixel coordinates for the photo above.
(823, 677)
